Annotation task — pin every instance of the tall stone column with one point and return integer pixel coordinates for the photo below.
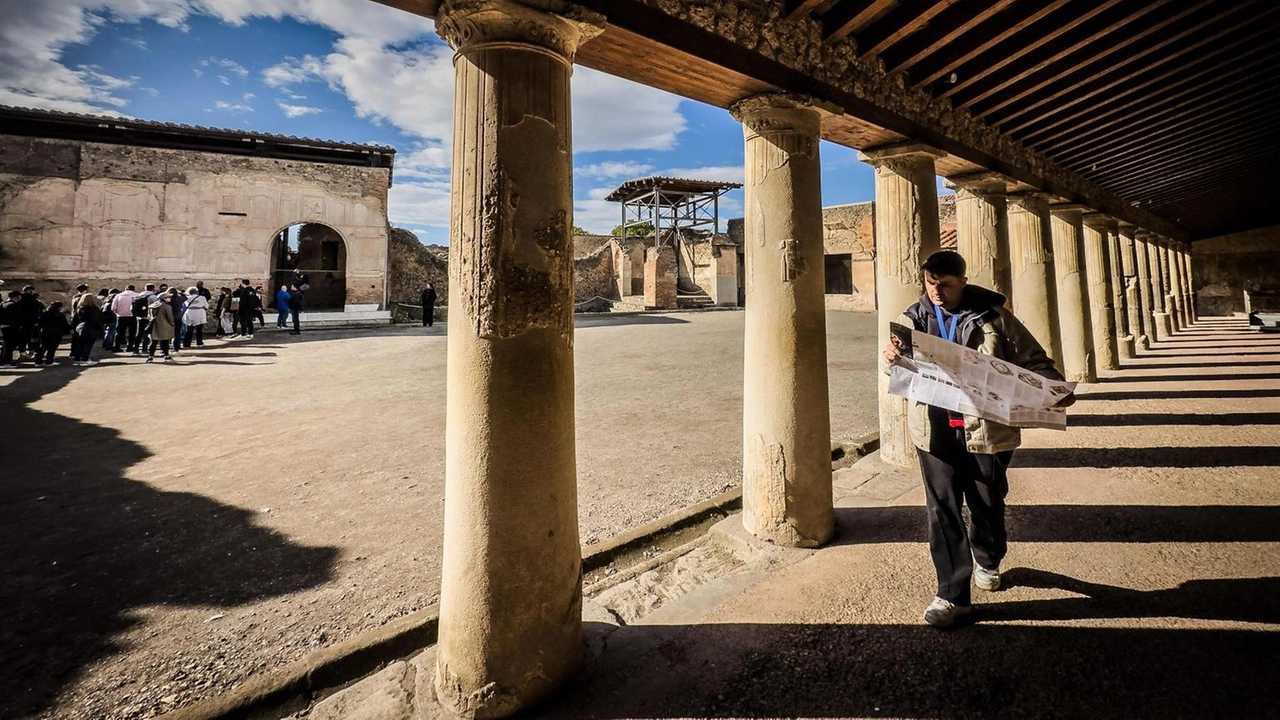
(1034, 280)
(510, 598)
(906, 221)
(1124, 334)
(1074, 321)
(786, 426)
(1169, 260)
(1160, 326)
(1142, 269)
(1189, 294)
(1098, 274)
(982, 229)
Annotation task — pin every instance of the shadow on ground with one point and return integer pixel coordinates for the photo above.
(1151, 419)
(85, 547)
(1150, 457)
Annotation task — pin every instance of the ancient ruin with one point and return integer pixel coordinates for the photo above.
(111, 202)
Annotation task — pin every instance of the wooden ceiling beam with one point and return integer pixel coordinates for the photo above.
(986, 36)
(946, 28)
(1188, 152)
(799, 8)
(1016, 47)
(1160, 124)
(1033, 130)
(1094, 35)
(897, 24)
(1094, 69)
(850, 16)
(1066, 94)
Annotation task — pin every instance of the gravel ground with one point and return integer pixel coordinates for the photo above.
(173, 529)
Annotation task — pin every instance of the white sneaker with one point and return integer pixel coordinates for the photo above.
(89, 362)
(985, 579)
(943, 613)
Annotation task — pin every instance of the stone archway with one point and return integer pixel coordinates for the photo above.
(318, 253)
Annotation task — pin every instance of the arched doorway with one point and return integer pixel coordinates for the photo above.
(318, 254)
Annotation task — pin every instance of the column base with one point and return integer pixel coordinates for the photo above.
(1142, 342)
(1163, 326)
(1125, 345)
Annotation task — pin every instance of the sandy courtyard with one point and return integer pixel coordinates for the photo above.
(170, 529)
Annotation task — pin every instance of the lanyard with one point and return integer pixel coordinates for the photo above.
(948, 335)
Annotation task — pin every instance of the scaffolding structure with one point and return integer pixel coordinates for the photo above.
(670, 205)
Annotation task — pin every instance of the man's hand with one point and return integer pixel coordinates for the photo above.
(893, 351)
(1067, 401)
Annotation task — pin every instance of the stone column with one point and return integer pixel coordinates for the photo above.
(1033, 277)
(1098, 273)
(786, 426)
(982, 229)
(1160, 328)
(510, 599)
(906, 222)
(1074, 321)
(1169, 257)
(1188, 291)
(1142, 269)
(1124, 334)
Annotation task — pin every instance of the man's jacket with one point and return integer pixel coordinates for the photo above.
(985, 325)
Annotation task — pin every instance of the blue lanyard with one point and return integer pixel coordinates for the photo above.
(948, 335)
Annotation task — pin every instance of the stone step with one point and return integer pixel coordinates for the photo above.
(328, 319)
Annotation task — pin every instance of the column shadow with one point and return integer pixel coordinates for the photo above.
(1181, 394)
(86, 547)
(1207, 419)
(1190, 378)
(1151, 457)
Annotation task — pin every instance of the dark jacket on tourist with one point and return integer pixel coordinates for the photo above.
(54, 325)
(88, 320)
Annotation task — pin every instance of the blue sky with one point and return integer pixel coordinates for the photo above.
(355, 71)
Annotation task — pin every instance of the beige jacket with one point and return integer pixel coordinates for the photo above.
(992, 330)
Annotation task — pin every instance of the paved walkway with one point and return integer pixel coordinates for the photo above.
(1143, 581)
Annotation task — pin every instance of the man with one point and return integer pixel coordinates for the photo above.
(10, 328)
(295, 308)
(963, 458)
(245, 308)
(29, 309)
(428, 305)
(202, 292)
(126, 323)
(141, 313)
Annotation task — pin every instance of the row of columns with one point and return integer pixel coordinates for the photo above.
(510, 612)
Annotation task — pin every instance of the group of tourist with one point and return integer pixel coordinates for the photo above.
(164, 319)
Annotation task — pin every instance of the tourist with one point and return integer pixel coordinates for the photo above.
(282, 307)
(87, 329)
(222, 312)
(428, 305)
(53, 326)
(964, 459)
(194, 317)
(259, 293)
(142, 311)
(243, 301)
(108, 318)
(295, 308)
(29, 309)
(10, 328)
(161, 327)
(81, 289)
(126, 323)
(208, 296)
(178, 303)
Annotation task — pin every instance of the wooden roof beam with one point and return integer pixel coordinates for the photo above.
(900, 22)
(800, 8)
(930, 68)
(849, 16)
(947, 27)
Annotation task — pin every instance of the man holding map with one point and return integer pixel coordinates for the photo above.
(995, 369)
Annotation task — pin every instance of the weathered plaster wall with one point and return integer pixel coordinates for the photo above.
(412, 266)
(593, 275)
(1224, 267)
(109, 215)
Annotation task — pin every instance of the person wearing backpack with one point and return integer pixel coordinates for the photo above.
(243, 302)
(126, 320)
(87, 330)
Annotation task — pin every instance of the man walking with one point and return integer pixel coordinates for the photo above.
(247, 307)
(963, 458)
(428, 305)
(126, 323)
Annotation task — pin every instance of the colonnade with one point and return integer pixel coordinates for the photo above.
(1091, 289)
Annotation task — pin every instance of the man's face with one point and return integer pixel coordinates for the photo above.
(944, 290)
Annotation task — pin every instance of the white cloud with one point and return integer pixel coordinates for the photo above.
(612, 169)
(292, 71)
(137, 42)
(248, 96)
(610, 113)
(223, 79)
(722, 173)
(297, 111)
(419, 203)
(230, 107)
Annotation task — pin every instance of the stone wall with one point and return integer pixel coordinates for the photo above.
(110, 215)
(1225, 267)
(412, 266)
(593, 277)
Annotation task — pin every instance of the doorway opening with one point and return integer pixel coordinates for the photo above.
(315, 255)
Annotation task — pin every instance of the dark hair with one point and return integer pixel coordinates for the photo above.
(54, 307)
(945, 262)
(151, 286)
(82, 287)
(130, 287)
(14, 293)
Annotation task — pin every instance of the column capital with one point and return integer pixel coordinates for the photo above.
(1037, 202)
(555, 26)
(781, 113)
(1069, 211)
(984, 182)
(888, 155)
(1100, 221)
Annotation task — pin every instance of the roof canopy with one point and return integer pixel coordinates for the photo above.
(671, 191)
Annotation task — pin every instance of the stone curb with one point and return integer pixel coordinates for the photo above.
(294, 686)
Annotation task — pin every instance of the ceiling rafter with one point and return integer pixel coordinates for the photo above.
(947, 27)
(898, 23)
(849, 16)
(986, 36)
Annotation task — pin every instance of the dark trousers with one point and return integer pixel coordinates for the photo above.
(126, 333)
(81, 346)
(296, 327)
(144, 336)
(197, 331)
(953, 477)
(11, 333)
(48, 346)
(164, 348)
(428, 315)
(246, 323)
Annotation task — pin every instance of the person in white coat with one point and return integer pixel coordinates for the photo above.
(194, 318)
